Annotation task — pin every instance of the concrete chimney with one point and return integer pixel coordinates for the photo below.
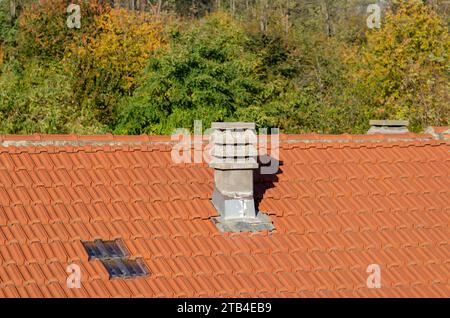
(388, 127)
(234, 159)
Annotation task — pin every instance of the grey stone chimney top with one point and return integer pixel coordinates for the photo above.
(388, 127)
(234, 146)
(234, 159)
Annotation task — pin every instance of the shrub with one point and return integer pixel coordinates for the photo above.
(42, 29)
(39, 99)
(405, 67)
(205, 73)
(108, 62)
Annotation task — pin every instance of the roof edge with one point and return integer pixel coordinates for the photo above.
(109, 139)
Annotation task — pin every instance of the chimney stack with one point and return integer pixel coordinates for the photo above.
(234, 159)
(388, 127)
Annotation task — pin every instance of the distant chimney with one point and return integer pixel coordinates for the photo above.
(234, 159)
(441, 133)
(388, 127)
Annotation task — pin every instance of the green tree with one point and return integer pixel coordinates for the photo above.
(106, 64)
(205, 73)
(39, 99)
(405, 67)
(42, 29)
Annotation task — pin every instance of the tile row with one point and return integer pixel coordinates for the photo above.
(200, 237)
(106, 230)
(430, 204)
(374, 172)
(64, 176)
(356, 187)
(359, 153)
(101, 193)
(26, 205)
(145, 163)
(241, 285)
(303, 221)
(118, 211)
(233, 255)
(46, 273)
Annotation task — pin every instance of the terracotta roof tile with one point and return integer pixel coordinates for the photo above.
(339, 203)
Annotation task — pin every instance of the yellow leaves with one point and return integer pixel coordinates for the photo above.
(42, 29)
(123, 43)
(403, 66)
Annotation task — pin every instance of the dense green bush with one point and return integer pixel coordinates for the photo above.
(404, 68)
(105, 66)
(42, 29)
(39, 98)
(205, 73)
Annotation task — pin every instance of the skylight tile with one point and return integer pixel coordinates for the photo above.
(106, 249)
(125, 268)
(115, 257)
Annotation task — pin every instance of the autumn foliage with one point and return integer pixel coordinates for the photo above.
(99, 63)
(42, 29)
(107, 61)
(404, 68)
(122, 44)
(302, 66)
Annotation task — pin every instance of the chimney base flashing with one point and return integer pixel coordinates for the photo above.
(259, 223)
(238, 207)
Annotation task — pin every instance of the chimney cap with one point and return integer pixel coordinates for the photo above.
(234, 146)
(388, 127)
(232, 125)
(389, 123)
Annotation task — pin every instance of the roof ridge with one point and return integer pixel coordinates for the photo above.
(7, 140)
(308, 138)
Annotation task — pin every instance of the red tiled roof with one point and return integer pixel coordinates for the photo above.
(338, 203)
